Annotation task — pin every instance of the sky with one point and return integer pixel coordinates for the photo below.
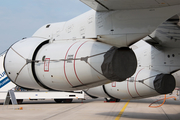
(21, 18)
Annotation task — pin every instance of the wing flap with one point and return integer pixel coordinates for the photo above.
(167, 34)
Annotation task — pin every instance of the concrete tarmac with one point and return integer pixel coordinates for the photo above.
(91, 109)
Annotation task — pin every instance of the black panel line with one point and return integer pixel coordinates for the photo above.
(33, 65)
(102, 5)
(107, 92)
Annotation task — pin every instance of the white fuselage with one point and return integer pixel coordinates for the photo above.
(118, 28)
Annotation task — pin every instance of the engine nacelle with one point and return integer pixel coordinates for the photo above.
(38, 63)
(144, 83)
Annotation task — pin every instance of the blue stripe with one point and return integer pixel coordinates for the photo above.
(2, 75)
(4, 82)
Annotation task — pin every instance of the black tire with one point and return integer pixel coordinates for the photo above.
(67, 100)
(19, 101)
(10, 102)
(118, 100)
(58, 100)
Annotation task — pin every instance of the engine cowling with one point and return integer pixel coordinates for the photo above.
(144, 83)
(39, 63)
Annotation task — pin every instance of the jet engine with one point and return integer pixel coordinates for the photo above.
(38, 63)
(144, 83)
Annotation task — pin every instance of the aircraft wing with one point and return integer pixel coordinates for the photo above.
(109, 5)
(167, 34)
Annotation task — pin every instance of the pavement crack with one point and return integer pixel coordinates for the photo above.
(165, 113)
(62, 112)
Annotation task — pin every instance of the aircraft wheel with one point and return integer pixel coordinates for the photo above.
(10, 102)
(118, 100)
(58, 100)
(67, 100)
(19, 101)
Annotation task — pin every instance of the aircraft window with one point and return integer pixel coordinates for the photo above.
(24, 38)
(168, 56)
(47, 26)
(173, 55)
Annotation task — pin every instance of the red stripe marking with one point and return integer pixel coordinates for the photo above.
(65, 63)
(46, 65)
(135, 82)
(74, 61)
(128, 88)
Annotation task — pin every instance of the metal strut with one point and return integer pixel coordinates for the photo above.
(142, 81)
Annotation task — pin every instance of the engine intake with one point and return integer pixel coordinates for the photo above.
(164, 83)
(119, 64)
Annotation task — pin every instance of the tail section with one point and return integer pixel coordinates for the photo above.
(5, 83)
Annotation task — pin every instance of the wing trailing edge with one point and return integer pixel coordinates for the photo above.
(111, 5)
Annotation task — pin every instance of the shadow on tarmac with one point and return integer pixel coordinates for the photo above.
(101, 100)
